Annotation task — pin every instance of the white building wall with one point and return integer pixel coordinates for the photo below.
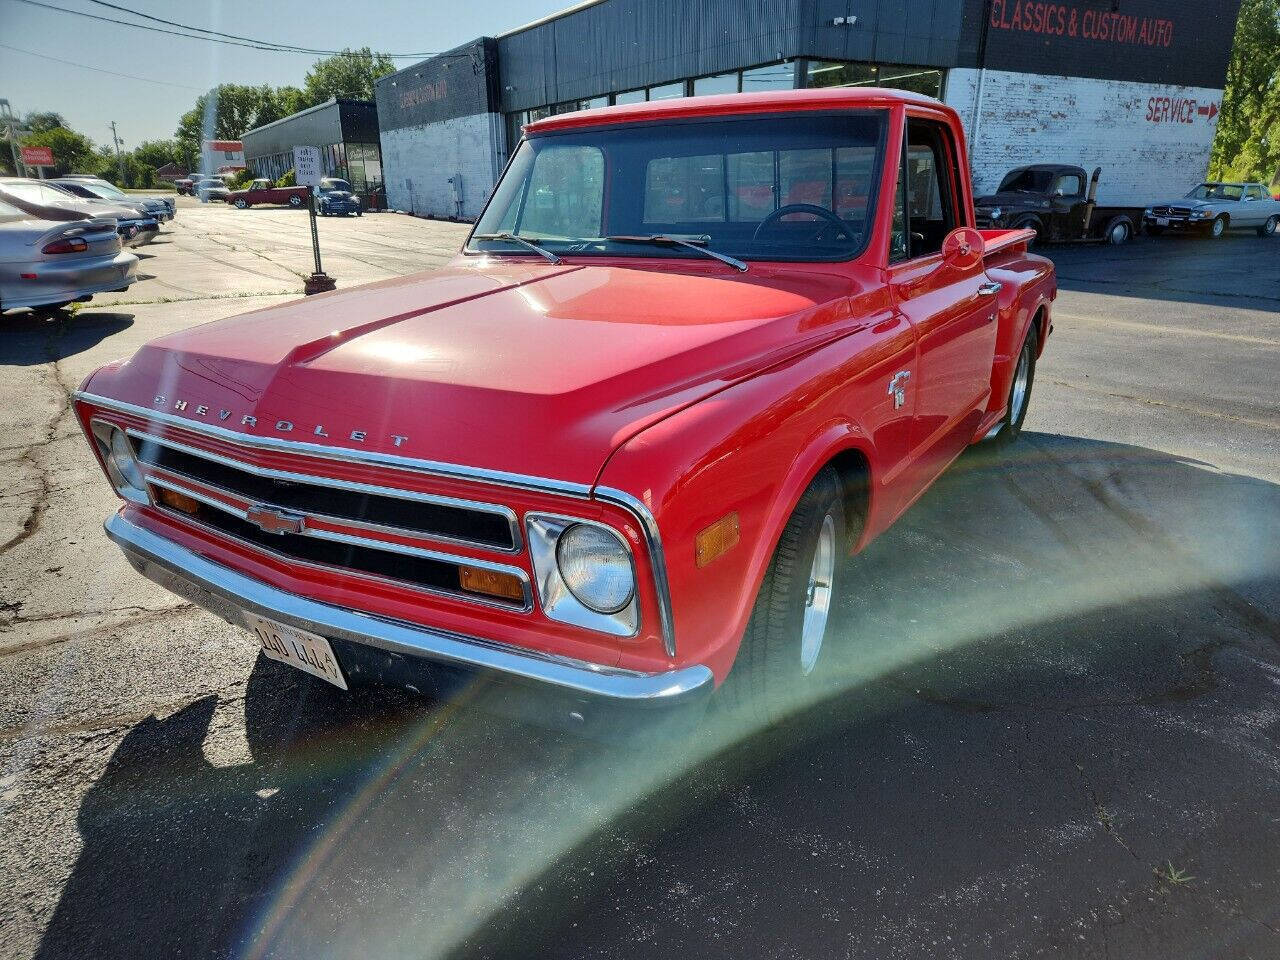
(417, 163)
(1151, 140)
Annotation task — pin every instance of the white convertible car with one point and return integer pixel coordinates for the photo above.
(1214, 208)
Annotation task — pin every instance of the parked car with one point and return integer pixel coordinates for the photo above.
(264, 191)
(211, 188)
(1056, 201)
(1214, 207)
(51, 263)
(608, 449)
(334, 197)
(46, 201)
(186, 185)
(91, 188)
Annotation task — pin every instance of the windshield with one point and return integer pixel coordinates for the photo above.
(1216, 191)
(1027, 181)
(755, 188)
(107, 190)
(327, 185)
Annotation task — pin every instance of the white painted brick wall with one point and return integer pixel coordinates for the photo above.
(1028, 118)
(417, 163)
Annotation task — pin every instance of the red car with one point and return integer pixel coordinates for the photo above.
(262, 191)
(619, 447)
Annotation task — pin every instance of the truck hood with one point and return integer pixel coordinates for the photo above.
(506, 365)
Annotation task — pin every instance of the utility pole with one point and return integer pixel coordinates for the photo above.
(119, 159)
(11, 131)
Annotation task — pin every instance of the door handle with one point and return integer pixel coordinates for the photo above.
(990, 288)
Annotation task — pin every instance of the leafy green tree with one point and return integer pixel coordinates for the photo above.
(350, 73)
(42, 121)
(1247, 143)
(236, 109)
(72, 152)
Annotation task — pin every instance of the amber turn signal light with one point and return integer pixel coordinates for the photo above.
(716, 540)
(172, 498)
(491, 582)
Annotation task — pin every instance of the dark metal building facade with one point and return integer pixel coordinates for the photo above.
(346, 131)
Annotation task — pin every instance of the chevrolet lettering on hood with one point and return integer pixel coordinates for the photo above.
(282, 426)
(642, 458)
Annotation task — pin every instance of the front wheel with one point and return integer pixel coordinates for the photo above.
(1218, 227)
(1024, 375)
(295, 201)
(242, 203)
(777, 668)
(1268, 229)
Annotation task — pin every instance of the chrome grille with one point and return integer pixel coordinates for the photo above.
(372, 507)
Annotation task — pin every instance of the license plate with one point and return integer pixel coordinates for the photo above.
(309, 652)
(1162, 221)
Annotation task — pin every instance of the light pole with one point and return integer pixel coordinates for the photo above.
(119, 159)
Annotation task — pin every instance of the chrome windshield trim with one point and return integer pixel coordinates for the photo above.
(371, 458)
(438, 499)
(226, 592)
(526, 606)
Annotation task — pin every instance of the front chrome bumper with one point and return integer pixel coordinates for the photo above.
(226, 593)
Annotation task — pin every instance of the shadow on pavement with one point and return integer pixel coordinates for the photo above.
(33, 337)
(1056, 674)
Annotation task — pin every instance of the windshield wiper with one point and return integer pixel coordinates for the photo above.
(514, 238)
(665, 240)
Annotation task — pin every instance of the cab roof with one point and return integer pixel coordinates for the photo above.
(776, 101)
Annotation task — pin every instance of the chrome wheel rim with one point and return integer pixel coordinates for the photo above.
(1218, 227)
(1119, 233)
(1271, 225)
(817, 601)
(1021, 377)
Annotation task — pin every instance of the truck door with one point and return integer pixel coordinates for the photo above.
(953, 309)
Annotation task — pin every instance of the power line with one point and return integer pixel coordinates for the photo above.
(265, 45)
(82, 66)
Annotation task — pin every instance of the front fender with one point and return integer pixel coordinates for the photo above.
(751, 449)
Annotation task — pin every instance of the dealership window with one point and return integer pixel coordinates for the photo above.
(835, 73)
(630, 96)
(775, 76)
(918, 79)
(668, 91)
(718, 83)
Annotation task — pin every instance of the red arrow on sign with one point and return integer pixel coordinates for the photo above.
(1210, 111)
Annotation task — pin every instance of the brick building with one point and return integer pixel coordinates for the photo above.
(1133, 86)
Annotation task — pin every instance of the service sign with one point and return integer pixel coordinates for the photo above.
(306, 166)
(37, 156)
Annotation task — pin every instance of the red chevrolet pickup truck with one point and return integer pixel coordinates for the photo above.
(693, 355)
(263, 191)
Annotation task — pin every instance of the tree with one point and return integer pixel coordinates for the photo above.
(1247, 143)
(350, 73)
(42, 121)
(235, 109)
(72, 152)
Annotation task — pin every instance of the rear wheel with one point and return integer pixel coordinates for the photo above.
(1268, 229)
(295, 201)
(242, 203)
(778, 667)
(1119, 230)
(1024, 375)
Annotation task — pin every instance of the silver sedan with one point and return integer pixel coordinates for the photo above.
(1213, 208)
(52, 263)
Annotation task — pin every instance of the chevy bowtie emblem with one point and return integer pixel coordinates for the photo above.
(272, 520)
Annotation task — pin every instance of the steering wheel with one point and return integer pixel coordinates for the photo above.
(810, 208)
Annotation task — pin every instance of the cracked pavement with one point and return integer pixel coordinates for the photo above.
(1052, 727)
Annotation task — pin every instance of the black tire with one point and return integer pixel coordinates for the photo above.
(241, 203)
(1119, 231)
(1216, 229)
(1011, 425)
(770, 678)
(1269, 228)
(295, 201)
(1031, 223)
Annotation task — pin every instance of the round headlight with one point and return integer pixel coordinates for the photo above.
(121, 460)
(596, 567)
(995, 213)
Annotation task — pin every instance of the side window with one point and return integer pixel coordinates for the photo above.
(931, 206)
(565, 193)
(1070, 185)
(898, 232)
(1254, 193)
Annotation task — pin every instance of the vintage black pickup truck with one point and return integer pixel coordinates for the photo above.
(1056, 200)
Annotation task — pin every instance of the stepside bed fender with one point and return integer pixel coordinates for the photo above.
(1027, 291)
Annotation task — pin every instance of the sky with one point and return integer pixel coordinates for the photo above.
(177, 70)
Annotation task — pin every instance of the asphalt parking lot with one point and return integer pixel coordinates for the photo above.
(1058, 733)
